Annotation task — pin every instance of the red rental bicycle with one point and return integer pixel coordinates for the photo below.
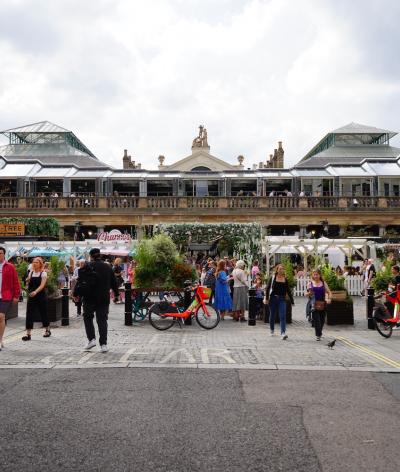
(206, 316)
(384, 322)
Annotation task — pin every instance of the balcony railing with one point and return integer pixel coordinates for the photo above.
(233, 204)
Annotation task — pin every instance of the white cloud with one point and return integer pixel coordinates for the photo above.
(142, 75)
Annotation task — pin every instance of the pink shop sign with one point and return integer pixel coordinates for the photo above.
(114, 235)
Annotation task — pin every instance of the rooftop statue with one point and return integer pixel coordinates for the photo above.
(200, 141)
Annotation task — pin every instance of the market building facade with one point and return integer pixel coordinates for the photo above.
(348, 181)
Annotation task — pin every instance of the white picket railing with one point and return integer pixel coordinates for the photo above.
(354, 285)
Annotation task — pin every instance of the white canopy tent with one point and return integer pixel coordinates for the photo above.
(335, 249)
(75, 248)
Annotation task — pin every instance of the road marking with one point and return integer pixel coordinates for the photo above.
(371, 353)
(183, 351)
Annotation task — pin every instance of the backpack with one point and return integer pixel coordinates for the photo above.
(209, 280)
(87, 281)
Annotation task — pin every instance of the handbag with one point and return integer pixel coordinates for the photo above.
(319, 305)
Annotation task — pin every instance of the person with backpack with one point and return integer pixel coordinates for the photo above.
(95, 280)
(209, 280)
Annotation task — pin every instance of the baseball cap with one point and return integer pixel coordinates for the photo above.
(94, 251)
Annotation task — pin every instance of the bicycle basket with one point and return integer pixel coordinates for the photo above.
(204, 292)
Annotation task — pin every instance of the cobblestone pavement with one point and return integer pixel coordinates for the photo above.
(230, 345)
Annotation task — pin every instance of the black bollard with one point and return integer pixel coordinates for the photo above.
(370, 307)
(128, 304)
(187, 300)
(252, 307)
(65, 306)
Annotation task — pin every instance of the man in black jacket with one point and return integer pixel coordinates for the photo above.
(97, 301)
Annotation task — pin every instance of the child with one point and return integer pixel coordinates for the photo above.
(258, 285)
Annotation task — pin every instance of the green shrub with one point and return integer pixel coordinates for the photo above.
(383, 278)
(56, 265)
(158, 264)
(22, 269)
(289, 272)
(334, 281)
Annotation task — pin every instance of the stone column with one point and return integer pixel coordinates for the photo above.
(139, 232)
(302, 231)
(61, 233)
(382, 230)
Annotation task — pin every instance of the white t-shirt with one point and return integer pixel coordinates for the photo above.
(37, 274)
(1, 276)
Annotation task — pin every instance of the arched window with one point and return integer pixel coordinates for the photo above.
(200, 169)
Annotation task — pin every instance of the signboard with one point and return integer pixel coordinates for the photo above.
(12, 229)
(114, 235)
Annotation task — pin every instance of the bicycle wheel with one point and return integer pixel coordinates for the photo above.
(209, 321)
(159, 321)
(383, 328)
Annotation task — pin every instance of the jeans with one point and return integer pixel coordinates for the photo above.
(277, 305)
(319, 321)
(101, 310)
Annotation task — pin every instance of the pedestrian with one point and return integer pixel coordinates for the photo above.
(258, 285)
(223, 300)
(10, 290)
(203, 275)
(37, 299)
(95, 280)
(275, 296)
(320, 295)
(240, 288)
(74, 280)
(255, 270)
(118, 272)
(209, 280)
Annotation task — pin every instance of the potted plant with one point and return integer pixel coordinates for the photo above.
(340, 310)
(335, 282)
(158, 264)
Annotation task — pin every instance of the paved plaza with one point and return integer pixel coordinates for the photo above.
(230, 345)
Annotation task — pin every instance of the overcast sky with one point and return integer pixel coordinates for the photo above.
(143, 74)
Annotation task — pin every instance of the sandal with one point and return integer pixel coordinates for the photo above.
(27, 337)
(47, 333)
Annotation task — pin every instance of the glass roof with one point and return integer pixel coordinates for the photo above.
(53, 172)
(349, 171)
(388, 168)
(312, 173)
(92, 173)
(16, 170)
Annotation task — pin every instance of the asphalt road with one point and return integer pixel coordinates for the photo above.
(157, 419)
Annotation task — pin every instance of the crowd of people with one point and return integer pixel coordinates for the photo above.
(229, 280)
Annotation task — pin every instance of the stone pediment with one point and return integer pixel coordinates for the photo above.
(203, 160)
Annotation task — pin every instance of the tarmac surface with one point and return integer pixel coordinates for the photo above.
(233, 398)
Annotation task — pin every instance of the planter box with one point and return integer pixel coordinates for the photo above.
(12, 312)
(288, 313)
(54, 310)
(339, 295)
(340, 312)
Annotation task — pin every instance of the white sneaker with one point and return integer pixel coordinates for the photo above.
(271, 333)
(90, 344)
(284, 336)
(104, 348)
(318, 338)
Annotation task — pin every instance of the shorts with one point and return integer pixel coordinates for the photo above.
(5, 306)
